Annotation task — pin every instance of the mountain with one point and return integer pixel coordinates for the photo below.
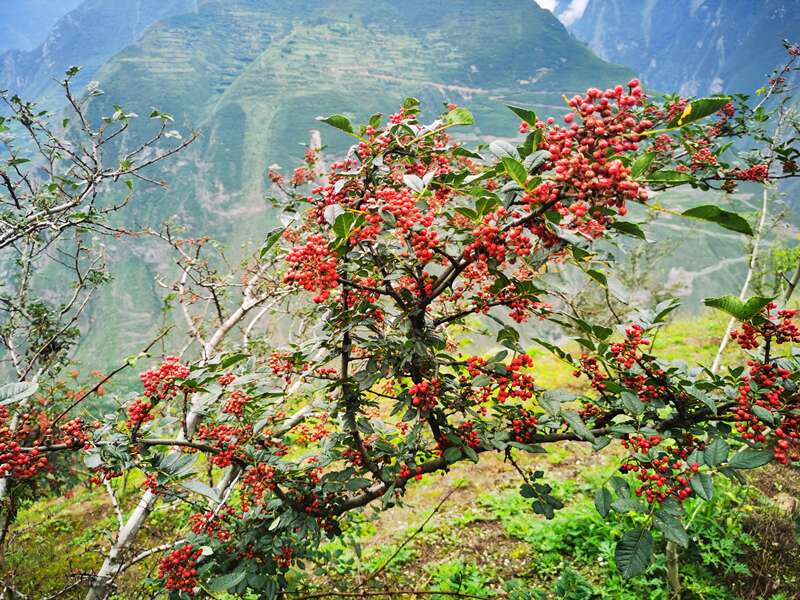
(690, 46)
(252, 75)
(25, 24)
(87, 36)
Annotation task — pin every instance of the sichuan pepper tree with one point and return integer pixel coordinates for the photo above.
(393, 248)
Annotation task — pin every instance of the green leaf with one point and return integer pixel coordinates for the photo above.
(621, 487)
(628, 228)
(642, 163)
(509, 337)
(338, 121)
(625, 505)
(525, 114)
(515, 170)
(459, 116)
(452, 454)
(763, 414)
(632, 403)
(671, 527)
(697, 109)
(345, 223)
(602, 501)
(742, 311)
(723, 218)
(226, 582)
(271, 240)
(670, 177)
(501, 148)
(16, 392)
(716, 452)
(551, 400)
(672, 507)
(577, 425)
(750, 458)
(467, 212)
(703, 485)
(92, 460)
(633, 552)
(410, 102)
(598, 276)
(193, 485)
(357, 483)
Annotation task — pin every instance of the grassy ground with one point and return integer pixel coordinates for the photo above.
(469, 531)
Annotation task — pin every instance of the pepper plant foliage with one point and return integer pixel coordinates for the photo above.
(394, 248)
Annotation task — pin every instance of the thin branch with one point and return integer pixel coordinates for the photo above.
(416, 532)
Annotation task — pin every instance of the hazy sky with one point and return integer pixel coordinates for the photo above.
(568, 11)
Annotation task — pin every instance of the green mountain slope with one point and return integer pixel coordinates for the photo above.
(253, 75)
(88, 36)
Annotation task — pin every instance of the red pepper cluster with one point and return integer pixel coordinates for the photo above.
(179, 569)
(425, 394)
(236, 403)
(139, 412)
(160, 383)
(665, 476)
(313, 267)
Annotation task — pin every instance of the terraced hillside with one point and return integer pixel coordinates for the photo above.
(87, 36)
(252, 75)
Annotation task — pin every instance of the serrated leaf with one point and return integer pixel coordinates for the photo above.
(763, 414)
(414, 182)
(467, 212)
(672, 507)
(459, 116)
(226, 582)
(602, 501)
(633, 552)
(357, 483)
(628, 228)
(193, 485)
(703, 485)
(92, 460)
(452, 454)
(621, 487)
(670, 177)
(11, 393)
(271, 240)
(742, 311)
(598, 276)
(751, 458)
(536, 159)
(698, 109)
(332, 212)
(515, 170)
(624, 505)
(716, 452)
(501, 148)
(723, 218)
(671, 527)
(632, 403)
(642, 163)
(525, 114)
(577, 425)
(344, 225)
(339, 122)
